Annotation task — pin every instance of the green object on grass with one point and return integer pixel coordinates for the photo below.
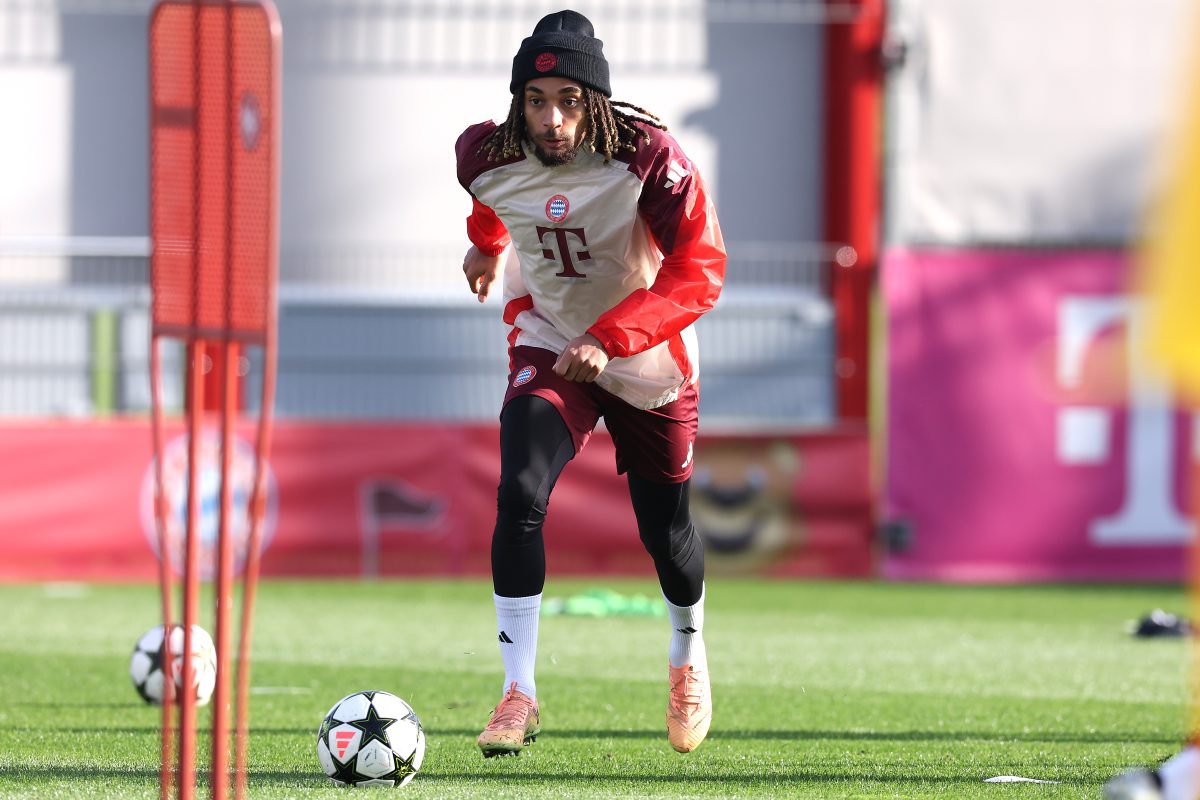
(603, 603)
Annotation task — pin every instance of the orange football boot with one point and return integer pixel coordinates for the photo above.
(689, 707)
(515, 723)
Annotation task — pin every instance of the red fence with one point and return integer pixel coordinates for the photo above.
(394, 499)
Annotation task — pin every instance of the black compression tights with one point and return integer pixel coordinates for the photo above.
(535, 445)
(665, 525)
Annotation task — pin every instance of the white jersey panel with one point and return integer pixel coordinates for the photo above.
(580, 248)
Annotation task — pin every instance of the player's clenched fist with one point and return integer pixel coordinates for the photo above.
(582, 360)
(481, 271)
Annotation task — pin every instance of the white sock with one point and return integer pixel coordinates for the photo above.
(687, 634)
(517, 623)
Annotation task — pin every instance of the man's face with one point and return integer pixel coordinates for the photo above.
(554, 118)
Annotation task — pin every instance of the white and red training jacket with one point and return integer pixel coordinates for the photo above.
(629, 251)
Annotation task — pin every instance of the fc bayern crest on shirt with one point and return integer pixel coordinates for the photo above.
(524, 376)
(557, 208)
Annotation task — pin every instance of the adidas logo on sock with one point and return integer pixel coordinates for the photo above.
(686, 630)
(503, 637)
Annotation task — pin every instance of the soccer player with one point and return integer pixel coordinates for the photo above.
(616, 253)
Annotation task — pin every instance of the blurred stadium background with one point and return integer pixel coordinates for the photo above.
(924, 365)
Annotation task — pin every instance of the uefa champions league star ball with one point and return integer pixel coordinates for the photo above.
(371, 739)
(146, 667)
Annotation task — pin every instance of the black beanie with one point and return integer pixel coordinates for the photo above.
(563, 45)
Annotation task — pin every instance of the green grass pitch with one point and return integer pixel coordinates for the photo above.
(822, 689)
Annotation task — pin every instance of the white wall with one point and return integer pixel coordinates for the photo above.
(35, 137)
(1030, 121)
(375, 95)
(35, 151)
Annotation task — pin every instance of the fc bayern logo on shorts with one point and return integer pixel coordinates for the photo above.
(557, 208)
(545, 62)
(524, 376)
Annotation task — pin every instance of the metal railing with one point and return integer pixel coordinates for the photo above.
(386, 332)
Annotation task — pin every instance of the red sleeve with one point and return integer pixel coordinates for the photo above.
(681, 216)
(485, 230)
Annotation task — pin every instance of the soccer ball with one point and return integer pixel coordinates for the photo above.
(371, 739)
(145, 666)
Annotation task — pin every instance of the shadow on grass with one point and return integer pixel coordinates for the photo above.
(510, 778)
(74, 705)
(151, 776)
(1097, 737)
(153, 730)
(1072, 737)
(756, 778)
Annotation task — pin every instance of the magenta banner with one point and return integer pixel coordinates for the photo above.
(1025, 438)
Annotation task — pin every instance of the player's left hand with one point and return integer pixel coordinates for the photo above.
(583, 359)
(482, 271)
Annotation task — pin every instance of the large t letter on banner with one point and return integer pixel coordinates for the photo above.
(1148, 514)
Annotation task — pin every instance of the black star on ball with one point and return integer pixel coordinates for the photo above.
(404, 768)
(346, 773)
(156, 660)
(328, 724)
(372, 727)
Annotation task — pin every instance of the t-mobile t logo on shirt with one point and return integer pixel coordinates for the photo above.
(564, 249)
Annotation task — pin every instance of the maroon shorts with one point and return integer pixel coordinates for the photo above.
(655, 444)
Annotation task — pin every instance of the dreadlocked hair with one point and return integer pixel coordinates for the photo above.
(606, 128)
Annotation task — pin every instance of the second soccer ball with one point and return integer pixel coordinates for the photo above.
(146, 665)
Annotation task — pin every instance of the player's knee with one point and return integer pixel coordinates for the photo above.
(657, 544)
(676, 543)
(664, 521)
(520, 509)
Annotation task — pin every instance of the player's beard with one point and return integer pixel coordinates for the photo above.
(555, 159)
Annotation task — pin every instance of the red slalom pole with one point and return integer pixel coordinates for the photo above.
(256, 508)
(229, 410)
(165, 579)
(224, 588)
(214, 125)
(193, 412)
(191, 574)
